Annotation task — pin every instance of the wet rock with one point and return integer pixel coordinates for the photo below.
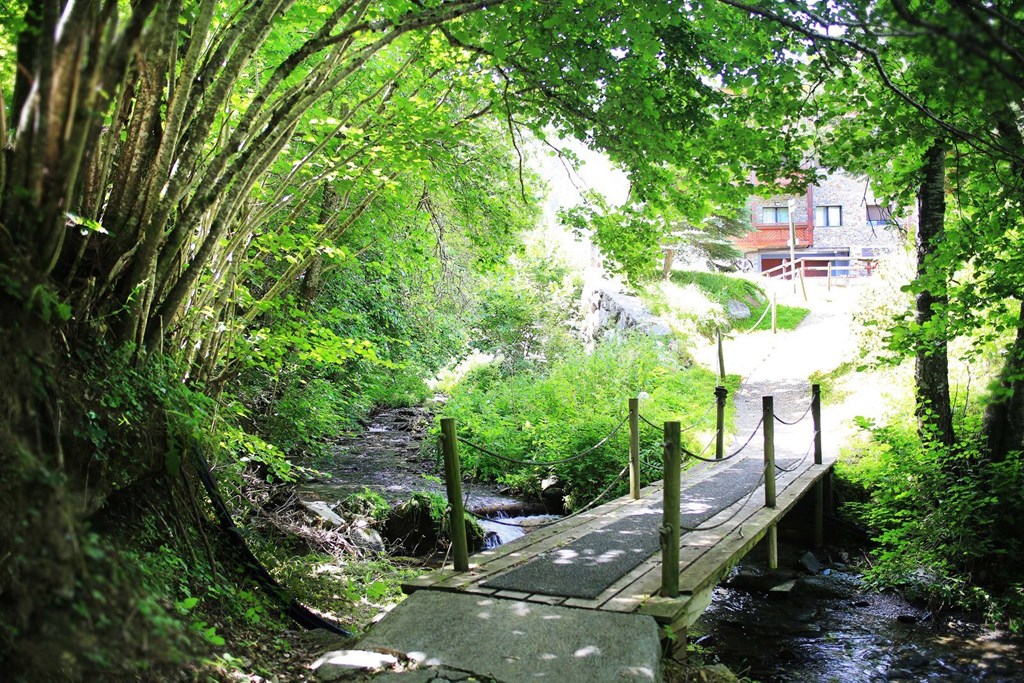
(324, 513)
(826, 587)
(809, 562)
(907, 618)
(783, 589)
(553, 495)
(754, 581)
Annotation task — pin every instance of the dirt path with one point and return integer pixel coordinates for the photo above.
(780, 365)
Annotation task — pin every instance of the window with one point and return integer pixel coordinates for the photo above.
(775, 214)
(879, 215)
(828, 216)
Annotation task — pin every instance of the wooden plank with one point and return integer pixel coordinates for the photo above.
(705, 555)
(630, 591)
(501, 563)
(545, 599)
(713, 565)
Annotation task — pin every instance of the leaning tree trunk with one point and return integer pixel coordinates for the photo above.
(931, 371)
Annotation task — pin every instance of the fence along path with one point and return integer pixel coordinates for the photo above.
(658, 550)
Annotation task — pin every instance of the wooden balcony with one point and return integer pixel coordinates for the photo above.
(774, 236)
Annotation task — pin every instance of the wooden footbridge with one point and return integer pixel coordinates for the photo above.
(659, 550)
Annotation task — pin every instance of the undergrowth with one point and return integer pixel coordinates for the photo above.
(945, 520)
(571, 403)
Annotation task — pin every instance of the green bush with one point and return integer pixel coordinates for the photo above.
(571, 404)
(946, 520)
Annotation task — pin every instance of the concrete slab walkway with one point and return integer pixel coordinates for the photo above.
(511, 641)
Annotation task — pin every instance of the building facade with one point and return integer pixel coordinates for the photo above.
(837, 220)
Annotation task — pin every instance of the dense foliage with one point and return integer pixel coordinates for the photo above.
(242, 222)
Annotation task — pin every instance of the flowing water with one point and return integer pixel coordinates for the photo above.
(829, 627)
(501, 529)
(395, 457)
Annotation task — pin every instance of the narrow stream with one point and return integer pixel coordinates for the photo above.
(501, 529)
(828, 627)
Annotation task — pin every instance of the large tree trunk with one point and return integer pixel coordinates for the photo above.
(931, 370)
(1004, 416)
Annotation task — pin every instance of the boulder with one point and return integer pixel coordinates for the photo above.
(738, 310)
(324, 513)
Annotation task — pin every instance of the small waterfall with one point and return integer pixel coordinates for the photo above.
(501, 529)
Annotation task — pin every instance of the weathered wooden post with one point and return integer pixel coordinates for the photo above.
(830, 275)
(721, 357)
(720, 395)
(816, 419)
(634, 448)
(670, 513)
(453, 483)
(768, 415)
(819, 487)
(775, 313)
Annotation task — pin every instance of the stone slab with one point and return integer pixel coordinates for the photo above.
(512, 641)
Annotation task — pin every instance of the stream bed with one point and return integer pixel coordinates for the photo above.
(396, 457)
(820, 624)
(828, 627)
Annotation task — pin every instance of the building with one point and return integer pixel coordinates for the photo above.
(837, 220)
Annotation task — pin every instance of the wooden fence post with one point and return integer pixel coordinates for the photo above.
(670, 513)
(453, 484)
(819, 487)
(768, 415)
(720, 395)
(634, 448)
(775, 313)
(721, 357)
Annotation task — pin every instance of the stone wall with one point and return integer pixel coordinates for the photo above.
(854, 195)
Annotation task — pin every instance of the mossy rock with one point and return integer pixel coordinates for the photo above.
(419, 525)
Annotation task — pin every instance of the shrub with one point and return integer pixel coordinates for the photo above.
(572, 404)
(945, 519)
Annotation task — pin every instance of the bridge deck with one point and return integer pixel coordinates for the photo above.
(705, 556)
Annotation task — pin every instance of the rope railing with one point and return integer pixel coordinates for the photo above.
(583, 509)
(699, 420)
(735, 513)
(799, 462)
(560, 461)
(798, 420)
(745, 443)
(767, 309)
(643, 466)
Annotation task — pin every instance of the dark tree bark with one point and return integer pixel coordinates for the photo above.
(1004, 416)
(931, 371)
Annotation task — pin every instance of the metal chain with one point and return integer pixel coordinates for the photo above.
(562, 461)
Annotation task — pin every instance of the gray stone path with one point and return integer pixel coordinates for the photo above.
(513, 641)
